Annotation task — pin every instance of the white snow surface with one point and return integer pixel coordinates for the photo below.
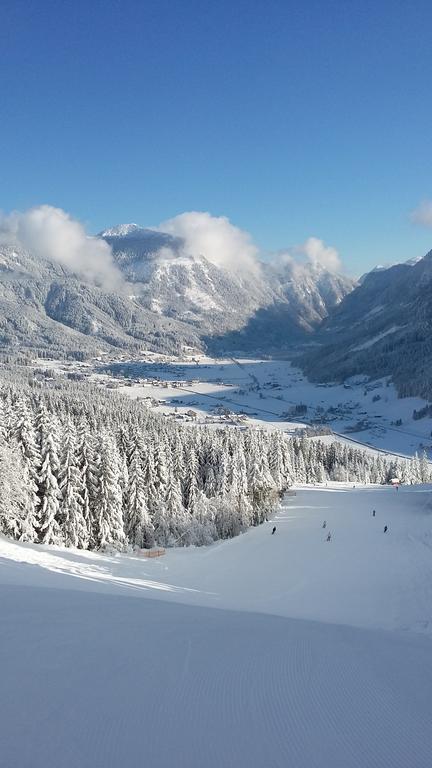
(120, 230)
(200, 298)
(264, 650)
(375, 339)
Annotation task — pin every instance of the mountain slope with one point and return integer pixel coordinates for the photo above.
(166, 300)
(383, 328)
(43, 306)
(224, 304)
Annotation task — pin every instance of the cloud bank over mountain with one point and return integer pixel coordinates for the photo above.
(228, 246)
(215, 238)
(313, 251)
(53, 234)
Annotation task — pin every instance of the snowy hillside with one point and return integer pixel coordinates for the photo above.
(301, 652)
(46, 307)
(154, 296)
(287, 301)
(382, 328)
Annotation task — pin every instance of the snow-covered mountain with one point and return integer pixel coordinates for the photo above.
(166, 299)
(169, 281)
(289, 299)
(44, 306)
(382, 328)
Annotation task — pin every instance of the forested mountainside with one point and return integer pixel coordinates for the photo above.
(91, 469)
(285, 301)
(44, 307)
(164, 300)
(382, 328)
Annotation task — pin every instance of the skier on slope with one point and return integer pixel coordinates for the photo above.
(324, 525)
(373, 513)
(385, 528)
(274, 530)
(329, 537)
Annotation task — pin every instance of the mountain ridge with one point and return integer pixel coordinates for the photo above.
(383, 328)
(166, 299)
(180, 283)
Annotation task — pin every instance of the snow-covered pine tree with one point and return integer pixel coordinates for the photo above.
(151, 493)
(191, 478)
(238, 494)
(139, 527)
(50, 531)
(17, 517)
(261, 485)
(201, 529)
(179, 518)
(87, 465)
(24, 433)
(71, 485)
(108, 508)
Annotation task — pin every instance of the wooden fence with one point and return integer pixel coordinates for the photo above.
(152, 552)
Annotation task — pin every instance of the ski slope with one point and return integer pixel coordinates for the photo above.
(260, 651)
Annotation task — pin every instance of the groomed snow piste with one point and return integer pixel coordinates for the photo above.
(262, 651)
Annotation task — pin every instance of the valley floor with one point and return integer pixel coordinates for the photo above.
(267, 392)
(277, 651)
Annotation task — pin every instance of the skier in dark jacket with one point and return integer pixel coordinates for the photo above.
(274, 530)
(329, 537)
(373, 513)
(324, 525)
(385, 528)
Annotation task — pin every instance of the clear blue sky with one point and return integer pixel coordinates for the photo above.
(291, 118)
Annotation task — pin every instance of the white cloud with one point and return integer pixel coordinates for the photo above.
(51, 233)
(225, 245)
(215, 238)
(318, 253)
(422, 214)
(313, 250)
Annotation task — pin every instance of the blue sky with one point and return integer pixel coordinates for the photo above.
(294, 119)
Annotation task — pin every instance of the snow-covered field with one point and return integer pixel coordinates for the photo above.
(277, 651)
(267, 391)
